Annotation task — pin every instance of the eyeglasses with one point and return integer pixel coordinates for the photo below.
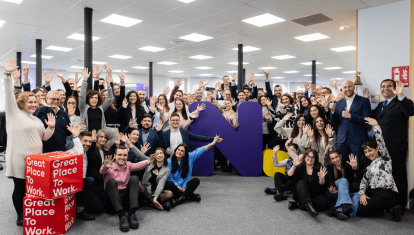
(54, 99)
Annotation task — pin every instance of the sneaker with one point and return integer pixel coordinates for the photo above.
(123, 224)
(84, 216)
(133, 221)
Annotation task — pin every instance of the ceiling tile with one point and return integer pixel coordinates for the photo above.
(217, 5)
(189, 12)
(242, 12)
(215, 20)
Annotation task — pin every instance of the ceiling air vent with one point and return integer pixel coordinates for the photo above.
(178, 42)
(312, 19)
(182, 67)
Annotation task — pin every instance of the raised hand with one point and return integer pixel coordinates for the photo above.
(108, 80)
(94, 136)
(160, 108)
(371, 121)
(251, 78)
(205, 83)
(9, 67)
(194, 115)
(122, 76)
(77, 79)
(108, 69)
(159, 125)
(264, 90)
(268, 115)
(324, 102)
(201, 107)
(309, 132)
(145, 148)
(16, 74)
(332, 107)
(313, 88)
(399, 90)
(166, 90)
(117, 140)
(363, 199)
(96, 72)
(132, 122)
(269, 102)
(275, 149)
(288, 142)
(108, 162)
(60, 75)
(352, 161)
(179, 82)
(26, 73)
(297, 161)
(365, 93)
(47, 77)
(332, 190)
(86, 74)
(74, 129)
(333, 84)
(329, 130)
(282, 109)
(322, 172)
(152, 104)
(287, 116)
(266, 73)
(51, 121)
(217, 87)
(124, 138)
(125, 103)
(233, 77)
(307, 86)
(233, 102)
(71, 111)
(346, 113)
(200, 84)
(169, 151)
(235, 124)
(145, 87)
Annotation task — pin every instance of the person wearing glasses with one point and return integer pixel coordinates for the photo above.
(58, 140)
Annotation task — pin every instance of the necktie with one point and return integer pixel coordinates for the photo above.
(384, 105)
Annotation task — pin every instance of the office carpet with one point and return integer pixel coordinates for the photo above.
(230, 204)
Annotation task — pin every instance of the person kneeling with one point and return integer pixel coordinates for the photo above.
(310, 187)
(152, 185)
(181, 166)
(121, 188)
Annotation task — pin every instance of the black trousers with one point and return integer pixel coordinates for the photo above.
(399, 172)
(303, 195)
(266, 138)
(282, 184)
(380, 200)
(122, 199)
(191, 187)
(19, 193)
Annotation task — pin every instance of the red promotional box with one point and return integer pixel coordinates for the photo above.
(42, 216)
(53, 175)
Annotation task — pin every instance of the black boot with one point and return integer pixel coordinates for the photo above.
(178, 201)
(172, 202)
(194, 197)
(311, 210)
(148, 198)
(84, 216)
(347, 209)
(396, 213)
(1, 167)
(166, 206)
(292, 205)
(341, 216)
(19, 220)
(133, 221)
(279, 196)
(272, 191)
(123, 224)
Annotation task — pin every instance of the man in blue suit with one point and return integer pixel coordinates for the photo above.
(348, 115)
(175, 136)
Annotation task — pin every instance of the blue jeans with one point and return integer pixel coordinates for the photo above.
(344, 197)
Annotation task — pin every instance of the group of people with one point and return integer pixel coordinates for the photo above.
(136, 150)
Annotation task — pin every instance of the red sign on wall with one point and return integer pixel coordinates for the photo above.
(402, 74)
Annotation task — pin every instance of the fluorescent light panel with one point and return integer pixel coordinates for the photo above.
(278, 77)
(121, 20)
(332, 68)
(186, 1)
(176, 71)
(166, 63)
(43, 56)
(283, 57)
(151, 48)
(28, 62)
(203, 67)
(263, 20)
(247, 49)
(81, 37)
(206, 74)
(309, 75)
(55, 48)
(312, 37)
(122, 57)
(98, 62)
(232, 71)
(310, 63)
(140, 67)
(237, 63)
(14, 1)
(200, 57)
(2, 22)
(337, 78)
(195, 37)
(267, 68)
(258, 75)
(348, 72)
(341, 49)
(291, 72)
(118, 71)
(77, 67)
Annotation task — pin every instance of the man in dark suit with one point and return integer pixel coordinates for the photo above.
(274, 97)
(392, 116)
(177, 135)
(348, 115)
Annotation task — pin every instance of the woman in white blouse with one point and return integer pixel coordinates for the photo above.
(25, 134)
(322, 138)
(297, 134)
(378, 191)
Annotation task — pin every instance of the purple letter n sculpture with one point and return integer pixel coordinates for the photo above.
(243, 148)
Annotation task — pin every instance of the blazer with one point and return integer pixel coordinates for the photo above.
(355, 126)
(271, 96)
(233, 90)
(124, 115)
(155, 140)
(394, 123)
(347, 174)
(162, 178)
(315, 188)
(186, 136)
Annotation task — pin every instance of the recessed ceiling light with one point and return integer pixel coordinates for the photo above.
(232, 71)
(195, 37)
(310, 63)
(185, 1)
(14, 1)
(237, 63)
(259, 74)
(309, 75)
(283, 57)
(55, 48)
(206, 74)
(118, 71)
(77, 67)
(120, 20)
(200, 57)
(140, 67)
(312, 37)
(248, 49)
(342, 27)
(347, 48)
(176, 71)
(267, 68)
(98, 62)
(151, 48)
(28, 62)
(332, 68)
(278, 77)
(337, 78)
(2, 22)
(291, 72)
(348, 72)
(43, 56)
(263, 20)
(203, 67)
(123, 57)
(81, 37)
(166, 63)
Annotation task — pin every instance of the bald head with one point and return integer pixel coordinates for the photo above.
(348, 88)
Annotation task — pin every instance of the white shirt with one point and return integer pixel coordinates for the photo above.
(278, 104)
(399, 98)
(349, 101)
(175, 139)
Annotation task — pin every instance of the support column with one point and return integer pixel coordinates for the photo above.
(88, 47)
(151, 86)
(244, 75)
(240, 68)
(411, 120)
(313, 72)
(19, 63)
(38, 62)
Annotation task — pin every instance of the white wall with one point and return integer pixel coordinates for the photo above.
(383, 42)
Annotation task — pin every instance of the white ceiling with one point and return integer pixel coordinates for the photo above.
(165, 20)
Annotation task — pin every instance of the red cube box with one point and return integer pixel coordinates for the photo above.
(53, 175)
(41, 216)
